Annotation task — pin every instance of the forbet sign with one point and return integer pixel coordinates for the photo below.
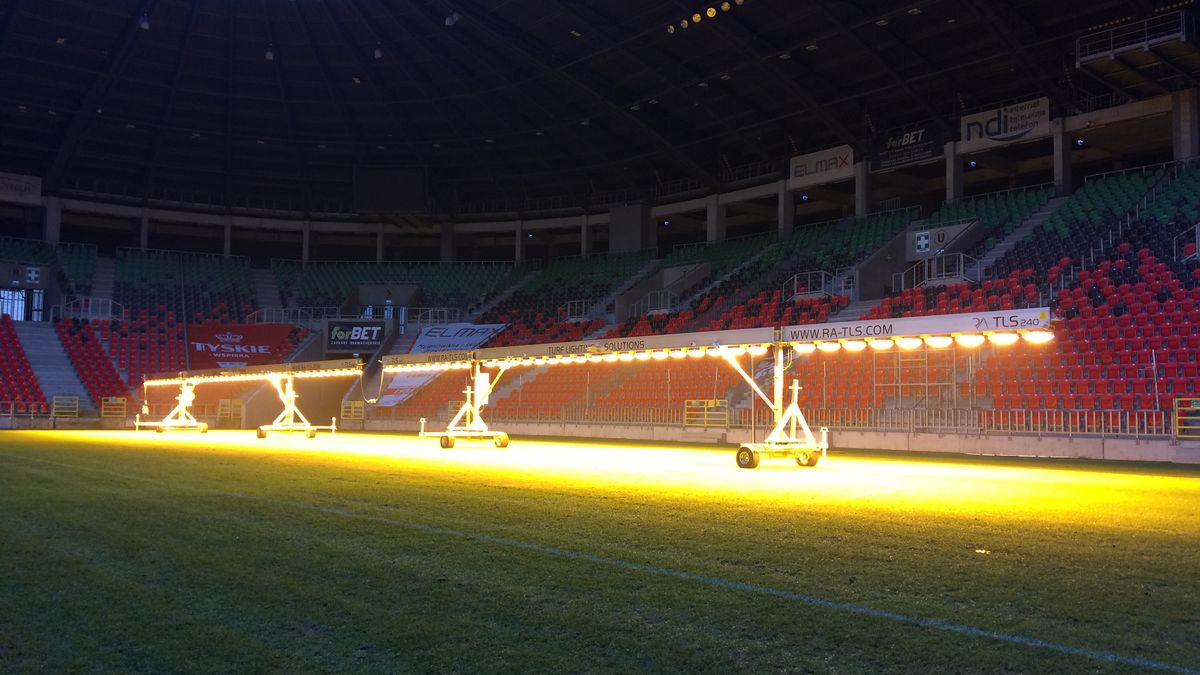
(357, 336)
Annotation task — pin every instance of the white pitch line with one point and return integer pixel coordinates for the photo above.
(716, 582)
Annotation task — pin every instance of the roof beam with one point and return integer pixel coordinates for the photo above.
(118, 54)
(508, 36)
(150, 173)
(303, 170)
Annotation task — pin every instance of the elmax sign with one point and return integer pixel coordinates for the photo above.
(823, 166)
(1003, 126)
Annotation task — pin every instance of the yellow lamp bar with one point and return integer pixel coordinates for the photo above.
(880, 345)
(969, 340)
(1003, 339)
(854, 345)
(939, 341)
(829, 347)
(1037, 337)
(909, 342)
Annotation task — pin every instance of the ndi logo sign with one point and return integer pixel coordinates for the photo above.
(823, 166)
(1003, 126)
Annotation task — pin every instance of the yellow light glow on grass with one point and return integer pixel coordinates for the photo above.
(858, 485)
(854, 345)
(939, 341)
(909, 342)
(1037, 337)
(969, 340)
(1003, 339)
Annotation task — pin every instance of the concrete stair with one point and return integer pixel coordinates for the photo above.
(856, 309)
(503, 296)
(104, 278)
(600, 309)
(266, 290)
(1024, 229)
(50, 362)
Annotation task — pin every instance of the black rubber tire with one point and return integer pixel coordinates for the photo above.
(311, 433)
(159, 430)
(446, 441)
(261, 433)
(204, 428)
(501, 440)
(809, 458)
(747, 458)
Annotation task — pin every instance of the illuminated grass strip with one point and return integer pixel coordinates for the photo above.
(655, 570)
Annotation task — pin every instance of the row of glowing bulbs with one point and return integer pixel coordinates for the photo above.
(968, 340)
(710, 12)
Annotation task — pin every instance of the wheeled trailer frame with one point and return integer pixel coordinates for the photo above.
(180, 418)
(467, 423)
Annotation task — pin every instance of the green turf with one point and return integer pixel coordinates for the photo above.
(166, 556)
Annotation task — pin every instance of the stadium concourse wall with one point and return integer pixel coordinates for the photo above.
(1162, 449)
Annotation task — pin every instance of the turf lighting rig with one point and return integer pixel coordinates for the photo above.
(791, 436)
(180, 418)
(282, 376)
(468, 422)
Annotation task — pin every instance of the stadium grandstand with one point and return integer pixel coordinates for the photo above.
(190, 188)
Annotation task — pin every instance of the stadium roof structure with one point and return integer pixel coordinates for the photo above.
(506, 101)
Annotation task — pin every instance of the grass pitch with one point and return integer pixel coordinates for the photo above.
(151, 553)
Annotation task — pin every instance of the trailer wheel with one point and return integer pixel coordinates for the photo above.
(261, 433)
(747, 458)
(808, 458)
(447, 441)
(158, 430)
(501, 440)
(204, 427)
(311, 433)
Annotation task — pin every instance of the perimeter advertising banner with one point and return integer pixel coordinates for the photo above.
(823, 166)
(908, 146)
(452, 339)
(236, 345)
(1004, 126)
(358, 336)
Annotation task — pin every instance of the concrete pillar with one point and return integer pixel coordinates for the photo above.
(862, 189)
(785, 209)
(519, 247)
(1185, 124)
(52, 223)
(447, 242)
(585, 236)
(1063, 146)
(379, 244)
(228, 235)
(954, 172)
(716, 219)
(144, 230)
(305, 238)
